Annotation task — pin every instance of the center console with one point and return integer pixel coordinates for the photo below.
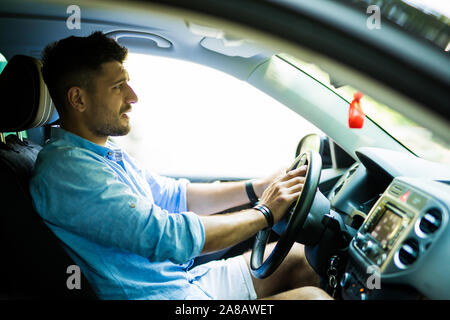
(396, 234)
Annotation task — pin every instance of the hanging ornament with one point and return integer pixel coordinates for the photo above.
(355, 114)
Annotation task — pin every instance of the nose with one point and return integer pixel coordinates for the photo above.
(131, 96)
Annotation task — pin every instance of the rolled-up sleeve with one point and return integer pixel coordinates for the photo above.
(168, 193)
(84, 196)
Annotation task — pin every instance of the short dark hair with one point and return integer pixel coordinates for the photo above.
(74, 61)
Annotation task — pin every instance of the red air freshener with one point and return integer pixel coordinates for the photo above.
(355, 113)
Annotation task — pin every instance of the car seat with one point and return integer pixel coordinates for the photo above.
(33, 263)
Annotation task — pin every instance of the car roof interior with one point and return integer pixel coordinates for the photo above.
(148, 33)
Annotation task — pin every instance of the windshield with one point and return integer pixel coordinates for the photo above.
(416, 138)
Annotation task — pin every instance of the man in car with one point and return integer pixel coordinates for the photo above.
(132, 232)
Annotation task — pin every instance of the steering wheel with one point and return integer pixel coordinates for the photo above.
(299, 210)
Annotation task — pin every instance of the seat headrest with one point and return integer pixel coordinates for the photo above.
(25, 100)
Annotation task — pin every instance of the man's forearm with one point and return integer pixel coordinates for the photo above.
(225, 230)
(208, 198)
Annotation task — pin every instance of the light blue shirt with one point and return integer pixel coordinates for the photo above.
(127, 229)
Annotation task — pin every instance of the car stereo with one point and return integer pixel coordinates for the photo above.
(398, 231)
(381, 230)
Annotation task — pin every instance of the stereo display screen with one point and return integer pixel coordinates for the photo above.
(386, 227)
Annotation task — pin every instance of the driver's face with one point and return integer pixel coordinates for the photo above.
(110, 101)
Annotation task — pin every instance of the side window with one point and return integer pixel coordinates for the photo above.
(3, 62)
(197, 122)
(23, 134)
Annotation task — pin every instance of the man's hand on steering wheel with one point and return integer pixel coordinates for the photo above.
(300, 185)
(283, 191)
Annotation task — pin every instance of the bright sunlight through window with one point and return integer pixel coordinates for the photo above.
(194, 121)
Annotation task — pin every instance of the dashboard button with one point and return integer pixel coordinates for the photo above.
(416, 200)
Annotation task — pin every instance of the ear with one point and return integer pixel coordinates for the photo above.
(77, 98)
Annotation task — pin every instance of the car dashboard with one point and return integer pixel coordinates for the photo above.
(401, 247)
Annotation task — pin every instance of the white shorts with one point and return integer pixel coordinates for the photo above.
(227, 279)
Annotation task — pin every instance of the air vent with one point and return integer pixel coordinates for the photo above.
(409, 252)
(352, 169)
(431, 221)
(397, 190)
(338, 188)
(348, 174)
